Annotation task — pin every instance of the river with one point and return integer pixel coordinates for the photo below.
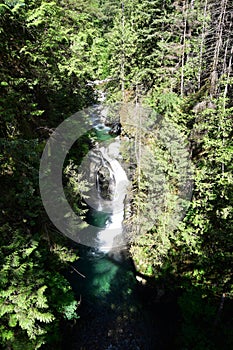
(116, 312)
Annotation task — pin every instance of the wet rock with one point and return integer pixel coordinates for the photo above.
(115, 129)
(105, 182)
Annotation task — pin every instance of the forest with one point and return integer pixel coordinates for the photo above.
(172, 56)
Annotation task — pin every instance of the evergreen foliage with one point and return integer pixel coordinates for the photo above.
(174, 56)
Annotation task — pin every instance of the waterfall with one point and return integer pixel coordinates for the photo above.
(112, 234)
(108, 182)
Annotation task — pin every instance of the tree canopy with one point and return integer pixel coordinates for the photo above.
(174, 56)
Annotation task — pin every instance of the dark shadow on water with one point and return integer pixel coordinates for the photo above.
(116, 312)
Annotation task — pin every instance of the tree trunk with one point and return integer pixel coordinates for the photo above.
(203, 35)
(218, 45)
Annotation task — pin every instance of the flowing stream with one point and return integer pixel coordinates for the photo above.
(112, 314)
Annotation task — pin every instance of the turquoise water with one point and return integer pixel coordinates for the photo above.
(102, 132)
(112, 314)
(104, 276)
